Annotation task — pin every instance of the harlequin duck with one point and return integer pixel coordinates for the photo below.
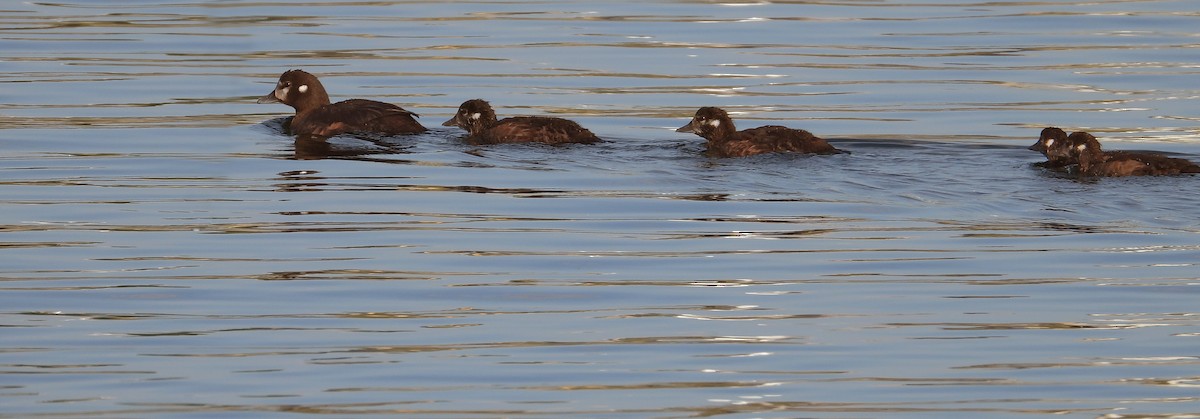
(477, 117)
(315, 116)
(724, 140)
(1049, 137)
(1050, 144)
(1095, 162)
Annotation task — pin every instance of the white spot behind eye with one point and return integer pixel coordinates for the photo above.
(1049, 142)
(1081, 147)
(303, 88)
(475, 116)
(715, 122)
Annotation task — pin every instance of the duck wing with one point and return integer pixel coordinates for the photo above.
(1150, 163)
(778, 138)
(525, 129)
(358, 115)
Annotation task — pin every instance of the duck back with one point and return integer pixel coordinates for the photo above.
(1141, 164)
(356, 115)
(770, 139)
(526, 129)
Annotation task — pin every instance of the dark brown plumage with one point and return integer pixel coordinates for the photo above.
(1051, 143)
(1049, 137)
(315, 116)
(724, 140)
(479, 119)
(1093, 161)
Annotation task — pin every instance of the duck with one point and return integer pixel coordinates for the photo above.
(1050, 144)
(1049, 137)
(724, 140)
(317, 117)
(1094, 161)
(479, 119)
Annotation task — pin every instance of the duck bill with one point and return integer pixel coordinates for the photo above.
(1038, 147)
(690, 127)
(269, 98)
(450, 122)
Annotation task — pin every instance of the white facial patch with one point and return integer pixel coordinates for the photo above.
(281, 93)
(303, 88)
(1049, 142)
(1081, 147)
(475, 116)
(715, 123)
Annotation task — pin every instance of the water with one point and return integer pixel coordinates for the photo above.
(167, 252)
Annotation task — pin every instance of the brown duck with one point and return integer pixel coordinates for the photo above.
(724, 140)
(479, 119)
(315, 116)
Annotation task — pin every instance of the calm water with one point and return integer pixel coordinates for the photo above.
(168, 252)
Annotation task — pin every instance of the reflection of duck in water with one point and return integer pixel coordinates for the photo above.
(309, 147)
(1084, 149)
(724, 140)
(479, 119)
(316, 116)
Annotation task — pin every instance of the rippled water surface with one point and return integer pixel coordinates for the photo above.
(166, 251)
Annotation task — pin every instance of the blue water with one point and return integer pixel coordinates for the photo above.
(169, 252)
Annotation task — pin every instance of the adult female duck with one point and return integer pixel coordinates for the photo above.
(315, 116)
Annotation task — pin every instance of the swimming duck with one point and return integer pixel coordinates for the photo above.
(724, 140)
(1093, 161)
(316, 116)
(479, 119)
(1051, 136)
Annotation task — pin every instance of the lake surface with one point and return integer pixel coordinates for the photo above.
(166, 251)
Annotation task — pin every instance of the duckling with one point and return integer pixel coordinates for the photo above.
(479, 119)
(724, 140)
